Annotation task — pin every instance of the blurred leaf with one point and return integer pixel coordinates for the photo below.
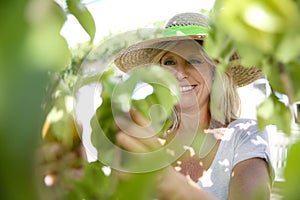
(218, 45)
(97, 185)
(258, 24)
(294, 71)
(250, 56)
(104, 116)
(291, 173)
(62, 130)
(137, 186)
(272, 74)
(40, 48)
(165, 94)
(83, 15)
(272, 111)
(288, 41)
(26, 58)
(160, 102)
(44, 45)
(93, 185)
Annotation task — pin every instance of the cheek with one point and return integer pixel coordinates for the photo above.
(170, 69)
(204, 77)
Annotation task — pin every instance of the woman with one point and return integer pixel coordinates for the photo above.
(233, 162)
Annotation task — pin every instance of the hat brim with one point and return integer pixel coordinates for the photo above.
(142, 53)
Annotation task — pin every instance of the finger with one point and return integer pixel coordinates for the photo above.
(132, 129)
(153, 142)
(145, 135)
(138, 118)
(131, 144)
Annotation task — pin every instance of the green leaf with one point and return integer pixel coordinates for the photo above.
(139, 186)
(117, 101)
(83, 16)
(257, 24)
(272, 74)
(104, 111)
(294, 71)
(218, 45)
(289, 39)
(93, 185)
(158, 105)
(44, 46)
(272, 111)
(291, 173)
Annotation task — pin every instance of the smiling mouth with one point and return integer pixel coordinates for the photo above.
(187, 88)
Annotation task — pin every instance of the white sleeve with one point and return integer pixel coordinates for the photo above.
(249, 142)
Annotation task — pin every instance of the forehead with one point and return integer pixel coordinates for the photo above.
(185, 48)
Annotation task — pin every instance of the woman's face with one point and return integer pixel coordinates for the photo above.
(193, 73)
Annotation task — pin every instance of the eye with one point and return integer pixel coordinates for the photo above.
(168, 62)
(195, 61)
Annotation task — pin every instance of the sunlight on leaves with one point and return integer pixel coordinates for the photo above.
(258, 24)
(272, 111)
(291, 172)
(294, 71)
(43, 45)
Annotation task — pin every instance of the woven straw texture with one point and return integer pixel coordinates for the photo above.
(142, 53)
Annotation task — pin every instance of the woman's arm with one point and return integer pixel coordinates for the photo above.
(175, 186)
(171, 185)
(250, 179)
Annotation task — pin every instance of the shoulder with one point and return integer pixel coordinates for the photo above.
(246, 130)
(249, 142)
(243, 124)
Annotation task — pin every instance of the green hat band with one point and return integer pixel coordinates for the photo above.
(185, 30)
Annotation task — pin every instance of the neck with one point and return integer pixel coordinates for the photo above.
(201, 116)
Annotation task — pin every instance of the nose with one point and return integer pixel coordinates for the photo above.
(181, 69)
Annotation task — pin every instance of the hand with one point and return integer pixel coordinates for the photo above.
(137, 136)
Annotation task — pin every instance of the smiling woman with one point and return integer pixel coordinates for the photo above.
(193, 73)
(230, 158)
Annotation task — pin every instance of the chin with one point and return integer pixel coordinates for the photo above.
(188, 104)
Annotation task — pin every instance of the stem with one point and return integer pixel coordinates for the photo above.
(286, 82)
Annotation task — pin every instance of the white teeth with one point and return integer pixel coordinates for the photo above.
(186, 88)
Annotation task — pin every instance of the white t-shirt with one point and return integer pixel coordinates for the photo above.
(241, 141)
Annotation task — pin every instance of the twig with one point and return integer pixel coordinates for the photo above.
(286, 82)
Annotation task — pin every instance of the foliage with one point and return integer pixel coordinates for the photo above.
(83, 15)
(117, 101)
(264, 33)
(291, 191)
(97, 183)
(61, 159)
(267, 111)
(30, 47)
(118, 97)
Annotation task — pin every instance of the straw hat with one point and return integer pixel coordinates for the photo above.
(184, 26)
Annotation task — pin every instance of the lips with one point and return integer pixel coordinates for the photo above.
(187, 88)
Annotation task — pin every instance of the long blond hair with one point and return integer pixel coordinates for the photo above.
(224, 100)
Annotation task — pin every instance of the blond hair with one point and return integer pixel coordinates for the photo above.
(224, 100)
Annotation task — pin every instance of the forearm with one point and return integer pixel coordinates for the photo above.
(175, 186)
(193, 192)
